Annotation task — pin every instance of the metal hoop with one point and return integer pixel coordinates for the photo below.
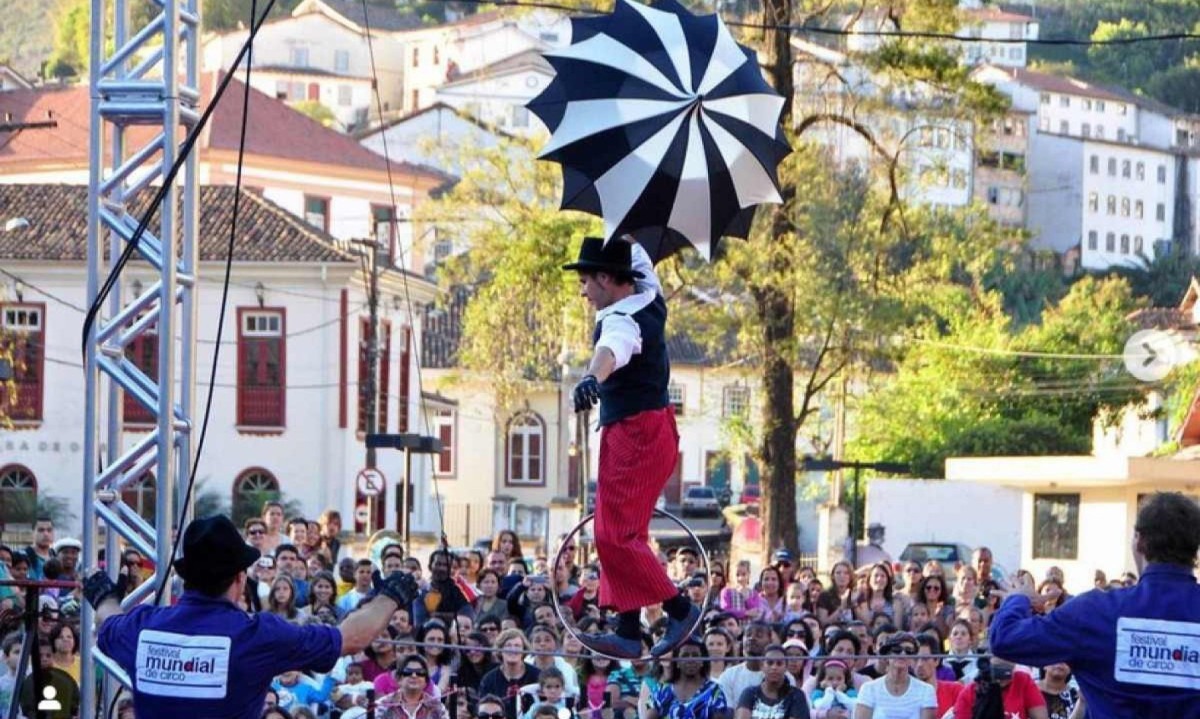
(568, 626)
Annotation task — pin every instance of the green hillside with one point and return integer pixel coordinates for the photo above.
(26, 34)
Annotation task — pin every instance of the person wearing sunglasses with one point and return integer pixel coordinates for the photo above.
(415, 699)
(897, 694)
(775, 696)
(489, 706)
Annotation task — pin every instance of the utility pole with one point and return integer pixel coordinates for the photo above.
(825, 464)
(371, 269)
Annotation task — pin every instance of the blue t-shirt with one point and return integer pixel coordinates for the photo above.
(207, 659)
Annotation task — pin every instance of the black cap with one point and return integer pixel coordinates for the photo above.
(213, 549)
(614, 257)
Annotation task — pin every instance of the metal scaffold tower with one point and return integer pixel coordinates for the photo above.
(145, 91)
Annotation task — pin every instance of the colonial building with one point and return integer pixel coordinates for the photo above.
(316, 173)
(289, 405)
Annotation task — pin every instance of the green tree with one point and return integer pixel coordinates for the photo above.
(1162, 279)
(976, 384)
(314, 110)
(1127, 64)
(1178, 86)
(524, 311)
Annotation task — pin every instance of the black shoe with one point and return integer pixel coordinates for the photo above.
(612, 645)
(677, 631)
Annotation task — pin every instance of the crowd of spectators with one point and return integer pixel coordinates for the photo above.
(483, 638)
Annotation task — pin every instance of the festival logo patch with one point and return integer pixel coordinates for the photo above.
(1158, 652)
(178, 665)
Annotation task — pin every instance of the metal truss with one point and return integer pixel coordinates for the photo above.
(145, 91)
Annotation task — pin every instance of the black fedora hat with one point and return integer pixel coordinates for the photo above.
(213, 550)
(614, 257)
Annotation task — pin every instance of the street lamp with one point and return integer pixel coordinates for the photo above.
(827, 464)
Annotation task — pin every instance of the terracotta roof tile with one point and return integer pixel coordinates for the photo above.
(57, 231)
(274, 130)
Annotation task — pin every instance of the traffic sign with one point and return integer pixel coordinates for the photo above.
(370, 482)
(361, 514)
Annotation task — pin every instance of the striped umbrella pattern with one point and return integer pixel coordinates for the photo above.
(664, 126)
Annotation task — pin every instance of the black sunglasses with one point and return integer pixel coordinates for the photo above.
(795, 632)
(910, 651)
(409, 672)
(490, 715)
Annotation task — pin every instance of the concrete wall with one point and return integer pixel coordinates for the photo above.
(1106, 518)
(1055, 198)
(919, 510)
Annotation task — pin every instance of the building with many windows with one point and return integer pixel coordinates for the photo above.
(1112, 174)
(992, 35)
(288, 409)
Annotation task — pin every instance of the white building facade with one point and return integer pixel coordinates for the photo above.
(287, 407)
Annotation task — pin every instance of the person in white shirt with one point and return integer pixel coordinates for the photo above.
(348, 602)
(897, 694)
(740, 677)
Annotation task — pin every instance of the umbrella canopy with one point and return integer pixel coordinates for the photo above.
(664, 126)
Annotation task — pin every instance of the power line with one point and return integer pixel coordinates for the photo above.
(841, 32)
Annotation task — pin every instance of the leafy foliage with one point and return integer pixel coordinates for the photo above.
(525, 311)
(977, 384)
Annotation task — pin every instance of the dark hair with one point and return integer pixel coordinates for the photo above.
(516, 543)
(285, 547)
(888, 628)
(807, 638)
(483, 573)
(1168, 527)
(391, 549)
(841, 635)
(52, 569)
(888, 588)
(925, 586)
(43, 518)
(551, 673)
(57, 631)
(489, 699)
(297, 520)
(20, 558)
(359, 563)
(14, 639)
(672, 668)
(409, 659)
(933, 645)
(778, 576)
(252, 521)
(431, 625)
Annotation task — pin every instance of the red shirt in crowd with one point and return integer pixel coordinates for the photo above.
(947, 695)
(1021, 695)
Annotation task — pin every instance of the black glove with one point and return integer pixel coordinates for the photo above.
(98, 588)
(586, 394)
(398, 586)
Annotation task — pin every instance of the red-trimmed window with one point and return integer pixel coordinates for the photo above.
(405, 340)
(443, 429)
(526, 450)
(143, 353)
(262, 367)
(381, 392)
(18, 495)
(23, 334)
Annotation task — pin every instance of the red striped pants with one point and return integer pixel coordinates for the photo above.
(637, 456)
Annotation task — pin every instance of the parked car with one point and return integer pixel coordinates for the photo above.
(700, 501)
(948, 554)
(751, 493)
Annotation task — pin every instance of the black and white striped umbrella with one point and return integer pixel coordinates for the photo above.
(664, 126)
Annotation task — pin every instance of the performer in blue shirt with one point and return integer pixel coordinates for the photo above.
(205, 657)
(1136, 651)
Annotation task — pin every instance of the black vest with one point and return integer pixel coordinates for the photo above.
(642, 384)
